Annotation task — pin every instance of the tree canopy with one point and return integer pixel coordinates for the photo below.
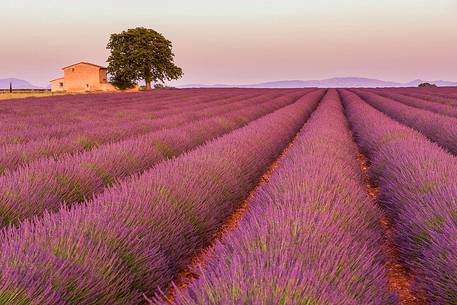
(426, 85)
(141, 54)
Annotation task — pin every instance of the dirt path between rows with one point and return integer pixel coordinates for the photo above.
(400, 281)
(188, 275)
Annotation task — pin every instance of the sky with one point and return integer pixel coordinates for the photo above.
(240, 41)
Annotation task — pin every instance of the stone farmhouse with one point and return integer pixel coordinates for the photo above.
(82, 77)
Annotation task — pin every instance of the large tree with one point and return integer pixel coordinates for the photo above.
(141, 54)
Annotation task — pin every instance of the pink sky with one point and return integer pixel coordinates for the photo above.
(241, 42)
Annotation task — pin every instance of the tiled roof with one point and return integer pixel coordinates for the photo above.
(84, 63)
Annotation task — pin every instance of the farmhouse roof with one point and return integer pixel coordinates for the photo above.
(84, 63)
(56, 79)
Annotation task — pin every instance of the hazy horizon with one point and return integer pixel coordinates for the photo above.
(241, 43)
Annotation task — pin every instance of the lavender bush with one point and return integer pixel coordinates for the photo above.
(135, 237)
(98, 131)
(48, 184)
(310, 235)
(439, 128)
(419, 103)
(434, 98)
(13, 156)
(418, 187)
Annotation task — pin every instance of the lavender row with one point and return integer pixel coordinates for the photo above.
(14, 156)
(46, 184)
(135, 237)
(434, 98)
(50, 127)
(447, 92)
(72, 107)
(30, 107)
(440, 129)
(419, 103)
(20, 116)
(311, 233)
(136, 109)
(418, 190)
(137, 105)
(446, 96)
(119, 120)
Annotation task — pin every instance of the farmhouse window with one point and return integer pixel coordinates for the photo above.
(61, 84)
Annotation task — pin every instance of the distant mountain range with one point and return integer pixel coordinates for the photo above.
(337, 82)
(17, 84)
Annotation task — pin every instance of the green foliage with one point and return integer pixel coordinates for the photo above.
(122, 81)
(166, 150)
(102, 173)
(86, 142)
(424, 85)
(162, 86)
(141, 54)
(427, 187)
(14, 296)
(436, 222)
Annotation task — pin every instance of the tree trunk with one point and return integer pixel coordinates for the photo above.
(147, 79)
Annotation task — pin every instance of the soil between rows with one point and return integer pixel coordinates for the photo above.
(188, 275)
(400, 280)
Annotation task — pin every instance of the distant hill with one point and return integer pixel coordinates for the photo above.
(17, 84)
(336, 82)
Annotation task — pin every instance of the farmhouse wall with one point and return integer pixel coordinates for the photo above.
(82, 77)
(57, 85)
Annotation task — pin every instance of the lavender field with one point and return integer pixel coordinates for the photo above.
(230, 196)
